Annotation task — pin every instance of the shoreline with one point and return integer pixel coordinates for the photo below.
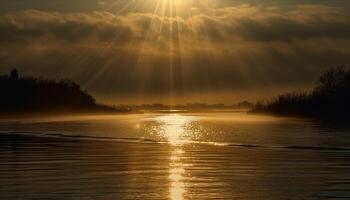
(63, 113)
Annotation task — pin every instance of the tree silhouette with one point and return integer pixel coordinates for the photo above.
(330, 99)
(29, 94)
(332, 81)
(14, 74)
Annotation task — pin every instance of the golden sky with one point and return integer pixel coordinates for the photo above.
(176, 51)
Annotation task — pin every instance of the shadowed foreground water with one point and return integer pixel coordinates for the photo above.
(192, 156)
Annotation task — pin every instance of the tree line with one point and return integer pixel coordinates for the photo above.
(329, 99)
(29, 94)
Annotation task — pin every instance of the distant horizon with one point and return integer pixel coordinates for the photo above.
(230, 97)
(189, 104)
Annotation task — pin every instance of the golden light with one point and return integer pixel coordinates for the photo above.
(173, 128)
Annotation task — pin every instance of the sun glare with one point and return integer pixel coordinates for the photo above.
(173, 127)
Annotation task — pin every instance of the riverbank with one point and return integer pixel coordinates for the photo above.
(329, 100)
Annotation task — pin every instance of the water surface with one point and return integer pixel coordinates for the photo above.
(173, 156)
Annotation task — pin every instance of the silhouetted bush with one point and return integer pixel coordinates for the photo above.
(329, 99)
(31, 94)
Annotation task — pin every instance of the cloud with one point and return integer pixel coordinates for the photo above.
(245, 22)
(228, 48)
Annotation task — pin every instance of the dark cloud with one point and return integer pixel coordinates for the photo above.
(234, 48)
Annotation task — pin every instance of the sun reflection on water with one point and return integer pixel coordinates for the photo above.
(173, 127)
(176, 172)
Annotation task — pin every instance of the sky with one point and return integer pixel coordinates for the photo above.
(176, 51)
